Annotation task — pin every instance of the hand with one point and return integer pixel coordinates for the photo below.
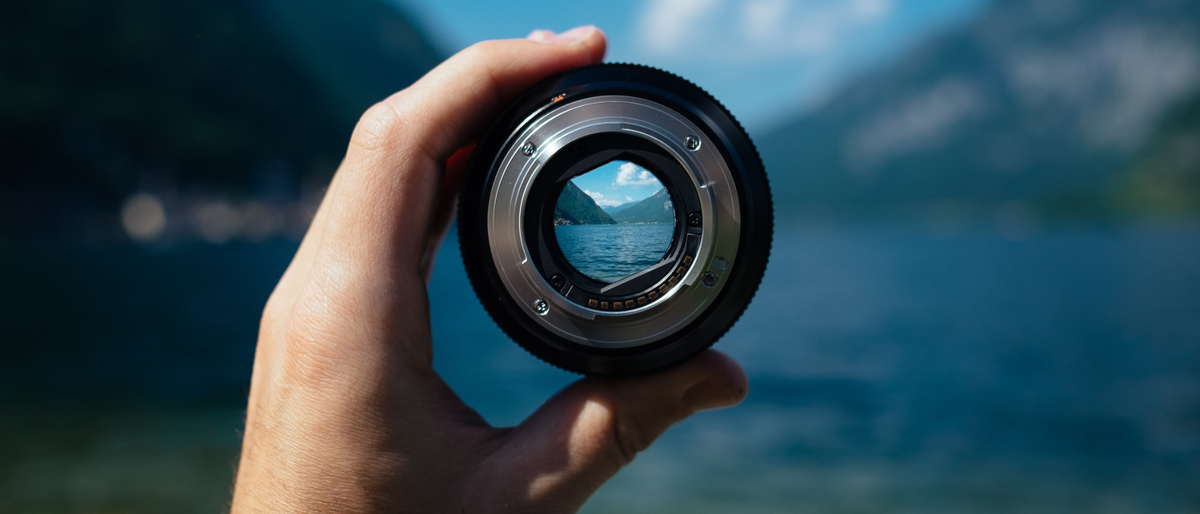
(346, 413)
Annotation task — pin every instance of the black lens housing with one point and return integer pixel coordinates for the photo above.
(719, 127)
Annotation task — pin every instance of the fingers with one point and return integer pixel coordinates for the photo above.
(585, 434)
(387, 188)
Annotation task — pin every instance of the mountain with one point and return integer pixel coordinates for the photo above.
(574, 207)
(1042, 105)
(655, 209)
(1165, 179)
(618, 208)
(192, 100)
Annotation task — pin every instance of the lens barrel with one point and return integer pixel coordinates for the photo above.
(566, 126)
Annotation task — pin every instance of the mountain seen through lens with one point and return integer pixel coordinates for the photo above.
(614, 221)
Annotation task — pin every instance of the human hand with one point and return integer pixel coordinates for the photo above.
(345, 411)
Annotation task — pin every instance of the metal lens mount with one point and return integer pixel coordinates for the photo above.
(572, 123)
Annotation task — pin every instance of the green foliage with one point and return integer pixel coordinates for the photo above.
(228, 97)
(1165, 180)
(574, 207)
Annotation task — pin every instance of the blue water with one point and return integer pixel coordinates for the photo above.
(609, 253)
(891, 370)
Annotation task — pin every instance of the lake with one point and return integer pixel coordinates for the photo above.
(891, 369)
(609, 253)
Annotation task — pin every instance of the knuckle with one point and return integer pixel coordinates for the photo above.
(483, 50)
(634, 432)
(631, 436)
(275, 310)
(378, 128)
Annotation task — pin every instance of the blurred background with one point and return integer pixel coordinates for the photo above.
(984, 292)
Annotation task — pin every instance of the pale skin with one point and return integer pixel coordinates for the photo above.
(346, 414)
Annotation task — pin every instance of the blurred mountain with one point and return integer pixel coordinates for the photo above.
(1165, 179)
(1044, 106)
(574, 207)
(657, 208)
(187, 99)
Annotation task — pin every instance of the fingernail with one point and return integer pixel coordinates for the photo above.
(540, 35)
(572, 36)
(711, 394)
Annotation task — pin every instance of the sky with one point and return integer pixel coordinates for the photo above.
(766, 60)
(617, 183)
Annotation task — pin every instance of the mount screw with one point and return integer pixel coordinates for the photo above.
(710, 279)
(692, 142)
(541, 306)
(557, 281)
(694, 220)
(528, 148)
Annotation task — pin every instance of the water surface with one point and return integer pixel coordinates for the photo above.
(890, 370)
(609, 253)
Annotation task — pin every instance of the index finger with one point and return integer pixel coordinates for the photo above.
(384, 195)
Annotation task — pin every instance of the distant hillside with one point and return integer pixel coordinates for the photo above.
(655, 209)
(188, 98)
(575, 207)
(1043, 104)
(1165, 179)
(618, 208)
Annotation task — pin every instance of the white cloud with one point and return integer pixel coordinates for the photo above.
(763, 19)
(769, 29)
(869, 9)
(667, 24)
(630, 174)
(602, 200)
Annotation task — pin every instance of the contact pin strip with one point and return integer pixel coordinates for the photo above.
(653, 295)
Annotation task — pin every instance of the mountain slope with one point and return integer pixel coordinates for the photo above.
(655, 209)
(618, 208)
(574, 207)
(1165, 180)
(221, 98)
(1045, 103)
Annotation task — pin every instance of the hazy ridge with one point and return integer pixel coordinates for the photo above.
(656, 208)
(1042, 109)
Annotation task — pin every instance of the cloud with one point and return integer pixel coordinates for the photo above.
(667, 24)
(630, 174)
(769, 29)
(790, 28)
(602, 200)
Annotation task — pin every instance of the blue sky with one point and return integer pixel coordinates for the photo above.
(618, 182)
(766, 60)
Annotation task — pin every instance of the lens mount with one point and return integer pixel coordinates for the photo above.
(570, 124)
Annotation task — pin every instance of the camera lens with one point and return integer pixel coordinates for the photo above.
(615, 219)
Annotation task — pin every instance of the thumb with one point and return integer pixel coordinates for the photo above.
(580, 438)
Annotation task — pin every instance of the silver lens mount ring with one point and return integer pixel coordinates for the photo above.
(569, 125)
(711, 179)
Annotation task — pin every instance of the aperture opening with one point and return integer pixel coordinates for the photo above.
(614, 221)
(619, 266)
